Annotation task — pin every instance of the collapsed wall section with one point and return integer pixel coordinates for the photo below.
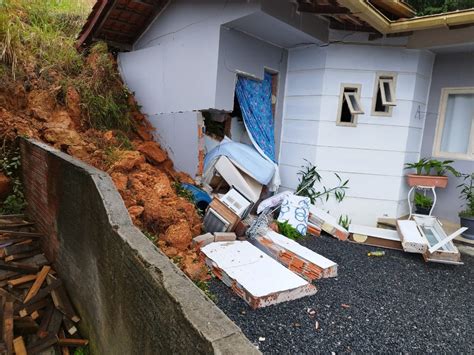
(130, 297)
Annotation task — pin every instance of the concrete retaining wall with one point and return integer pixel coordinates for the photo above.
(131, 298)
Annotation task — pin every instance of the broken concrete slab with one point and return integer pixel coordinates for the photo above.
(254, 276)
(299, 259)
(327, 223)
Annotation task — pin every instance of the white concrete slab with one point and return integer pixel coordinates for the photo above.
(253, 275)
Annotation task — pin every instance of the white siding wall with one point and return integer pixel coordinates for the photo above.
(370, 155)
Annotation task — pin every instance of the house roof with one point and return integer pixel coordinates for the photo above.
(121, 22)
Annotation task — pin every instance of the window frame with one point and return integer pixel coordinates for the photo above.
(443, 103)
(378, 78)
(357, 90)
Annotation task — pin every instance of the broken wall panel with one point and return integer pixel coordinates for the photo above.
(254, 276)
(377, 237)
(412, 240)
(299, 259)
(327, 223)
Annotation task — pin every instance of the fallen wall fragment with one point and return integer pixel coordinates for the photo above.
(299, 259)
(327, 223)
(376, 237)
(254, 276)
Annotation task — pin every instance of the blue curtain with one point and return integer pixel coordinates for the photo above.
(255, 100)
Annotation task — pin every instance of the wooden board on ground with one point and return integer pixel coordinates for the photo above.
(299, 259)
(254, 276)
(377, 237)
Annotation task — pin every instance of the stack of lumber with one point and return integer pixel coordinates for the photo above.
(35, 311)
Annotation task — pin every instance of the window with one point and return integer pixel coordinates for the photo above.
(384, 94)
(454, 136)
(349, 105)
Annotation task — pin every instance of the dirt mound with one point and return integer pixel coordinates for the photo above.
(52, 110)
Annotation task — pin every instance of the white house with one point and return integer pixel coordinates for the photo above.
(359, 87)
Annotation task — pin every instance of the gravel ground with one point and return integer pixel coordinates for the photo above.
(394, 303)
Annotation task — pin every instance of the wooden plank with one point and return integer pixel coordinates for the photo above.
(21, 256)
(8, 326)
(9, 296)
(69, 326)
(72, 342)
(44, 292)
(64, 349)
(44, 325)
(26, 246)
(38, 282)
(377, 237)
(62, 302)
(55, 322)
(42, 344)
(25, 325)
(19, 233)
(4, 275)
(18, 267)
(24, 310)
(19, 346)
(21, 280)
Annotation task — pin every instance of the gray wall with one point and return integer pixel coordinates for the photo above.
(450, 70)
(131, 298)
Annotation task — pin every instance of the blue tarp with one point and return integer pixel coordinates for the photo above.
(244, 155)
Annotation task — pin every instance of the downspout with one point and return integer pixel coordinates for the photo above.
(367, 12)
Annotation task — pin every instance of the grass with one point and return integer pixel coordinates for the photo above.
(37, 39)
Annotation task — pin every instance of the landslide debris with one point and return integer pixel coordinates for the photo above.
(77, 103)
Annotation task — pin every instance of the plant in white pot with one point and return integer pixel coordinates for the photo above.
(467, 195)
(430, 173)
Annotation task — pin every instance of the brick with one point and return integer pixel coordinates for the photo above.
(203, 240)
(224, 236)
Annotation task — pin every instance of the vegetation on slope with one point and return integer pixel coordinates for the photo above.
(431, 7)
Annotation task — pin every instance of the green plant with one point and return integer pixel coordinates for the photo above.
(344, 221)
(288, 230)
(426, 166)
(204, 286)
(309, 176)
(467, 194)
(430, 7)
(183, 192)
(83, 350)
(423, 201)
(10, 164)
(419, 165)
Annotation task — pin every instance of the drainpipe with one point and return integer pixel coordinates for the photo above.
(367, 12)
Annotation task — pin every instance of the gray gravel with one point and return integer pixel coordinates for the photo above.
(395, 303)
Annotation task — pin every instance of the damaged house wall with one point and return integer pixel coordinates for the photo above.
(372, 154)
(451, 69)
(188, 58)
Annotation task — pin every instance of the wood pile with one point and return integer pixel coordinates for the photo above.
(35, 311)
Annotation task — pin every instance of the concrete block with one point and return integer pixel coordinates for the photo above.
(225, 236)
(203, 240)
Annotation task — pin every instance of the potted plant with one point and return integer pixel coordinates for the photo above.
(423, 204)
(467, 195)
(430, 173)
